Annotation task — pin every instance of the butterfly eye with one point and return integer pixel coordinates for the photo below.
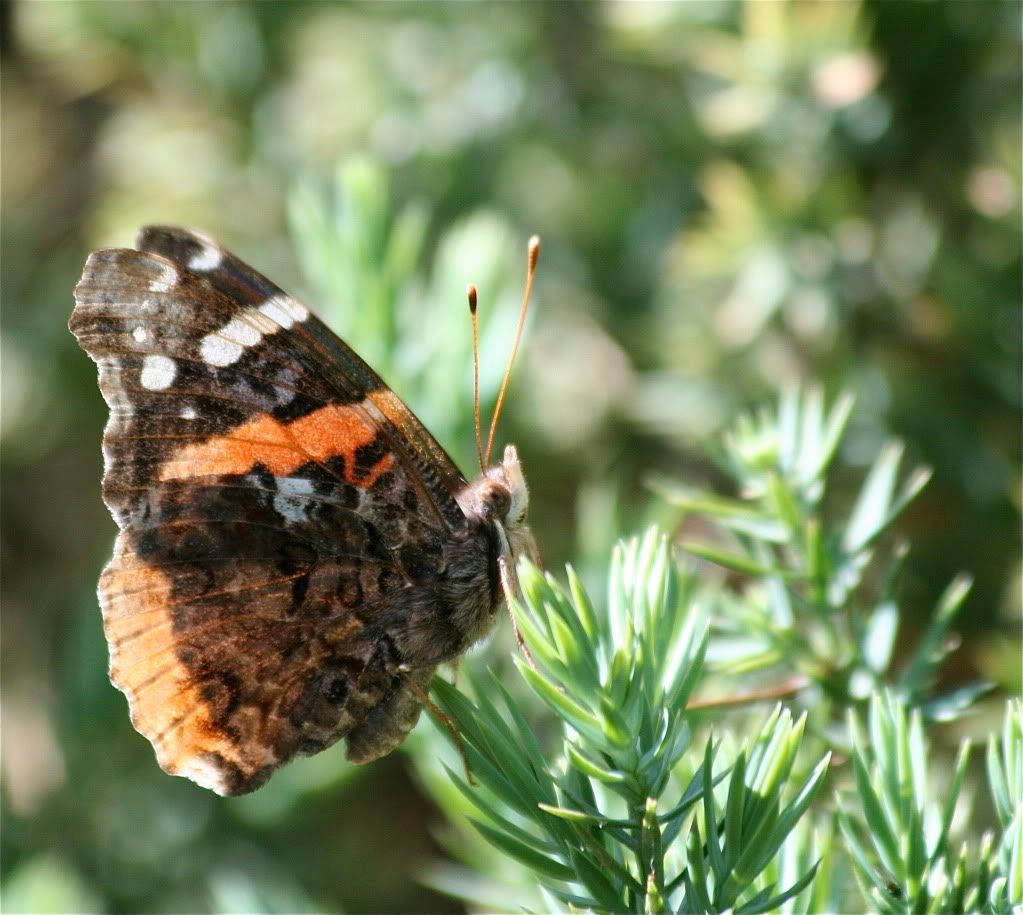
(495, 499)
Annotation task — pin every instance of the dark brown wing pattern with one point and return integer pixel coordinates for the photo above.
(286, 522)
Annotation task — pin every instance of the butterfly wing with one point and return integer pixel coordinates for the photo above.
(356, 381)
(276, 502)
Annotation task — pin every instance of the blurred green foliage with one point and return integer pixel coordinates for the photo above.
(733, 196)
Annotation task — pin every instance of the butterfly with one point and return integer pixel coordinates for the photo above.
(296, 554)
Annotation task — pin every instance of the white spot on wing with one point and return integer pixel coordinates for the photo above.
(225, 346)
(277, 313)
(158, 372)
(290, 501)
(207, 259)
(261, 322)
(241, 331)
(166, 280)
(284, 310)
(140, 334)
(188, 413)
(295, 486)
(216, 350)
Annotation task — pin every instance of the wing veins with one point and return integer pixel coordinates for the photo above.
(305, 497)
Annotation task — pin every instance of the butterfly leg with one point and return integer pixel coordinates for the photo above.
(510, 586)
(424, 699)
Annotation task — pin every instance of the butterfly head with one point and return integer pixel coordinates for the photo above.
(500, 497)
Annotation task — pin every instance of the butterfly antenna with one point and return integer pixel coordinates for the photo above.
(531, 259)
(470, 291)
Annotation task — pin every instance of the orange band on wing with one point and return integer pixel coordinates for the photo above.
(282, 448)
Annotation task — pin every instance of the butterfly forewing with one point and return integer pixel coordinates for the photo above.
(330, 357)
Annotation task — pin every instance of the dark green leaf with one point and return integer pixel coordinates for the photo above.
(524, 853)
(775, 903)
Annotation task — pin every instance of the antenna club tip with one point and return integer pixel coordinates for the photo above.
(534, 250)
(470, 291)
